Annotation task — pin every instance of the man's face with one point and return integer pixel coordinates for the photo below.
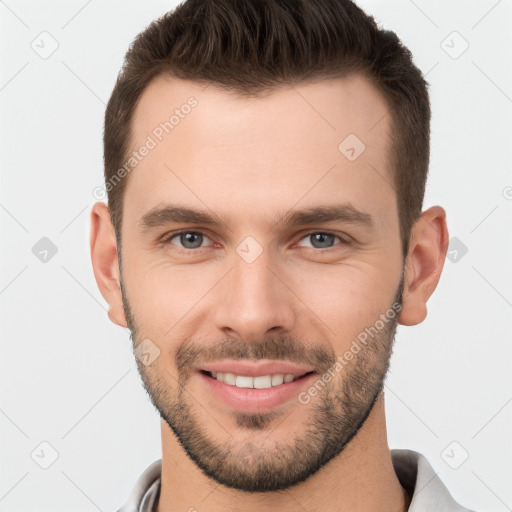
(256, 287)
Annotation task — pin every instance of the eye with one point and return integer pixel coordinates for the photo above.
(190, 240)
(321, 240)
(187, 239)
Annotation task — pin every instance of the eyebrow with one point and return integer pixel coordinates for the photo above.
(347, 213)
(338, 213)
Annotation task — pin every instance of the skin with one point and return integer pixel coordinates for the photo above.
(251, 160)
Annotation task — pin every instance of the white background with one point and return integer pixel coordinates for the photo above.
(68, 375)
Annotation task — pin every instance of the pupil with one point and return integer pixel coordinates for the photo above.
(187, 239)
(321, 238)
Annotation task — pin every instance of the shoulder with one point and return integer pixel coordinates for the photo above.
(145, 490)
(423, 484)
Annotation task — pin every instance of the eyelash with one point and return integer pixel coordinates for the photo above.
(167, 240)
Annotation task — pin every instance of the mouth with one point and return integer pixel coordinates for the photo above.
(254, 394)
(257, 382)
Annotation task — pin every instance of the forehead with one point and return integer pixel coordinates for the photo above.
(334, 106)
(208, 144)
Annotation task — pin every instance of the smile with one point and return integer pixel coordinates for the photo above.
(255, 394)
(259, 382)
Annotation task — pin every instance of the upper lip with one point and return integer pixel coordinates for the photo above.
(251, 369)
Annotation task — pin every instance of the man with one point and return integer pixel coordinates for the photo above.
(265, 164)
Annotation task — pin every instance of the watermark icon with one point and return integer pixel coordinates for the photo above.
(454, 45)
(249, 249)
(351, 147)
(146, 352)
(249, 453)
(455, 455)
(507, 193)
(44, 250)
(457, 249)
(304, 397)
(45, 45)
(157, 135)
(44, 455)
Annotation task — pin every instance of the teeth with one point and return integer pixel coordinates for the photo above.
(243, 382)
(229, 378)
(277, 379)
(260, 382)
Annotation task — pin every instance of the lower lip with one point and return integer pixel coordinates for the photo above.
(252, 400)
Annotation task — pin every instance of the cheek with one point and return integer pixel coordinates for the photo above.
(152, 290)
(346, 299)
(164, 297)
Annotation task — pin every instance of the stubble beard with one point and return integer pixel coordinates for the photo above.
(335, 415)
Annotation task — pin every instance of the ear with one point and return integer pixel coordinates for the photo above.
(425, 260)
(105, 261)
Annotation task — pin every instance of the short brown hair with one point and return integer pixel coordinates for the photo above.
(253, 46)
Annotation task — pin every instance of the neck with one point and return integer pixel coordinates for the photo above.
(360, 479)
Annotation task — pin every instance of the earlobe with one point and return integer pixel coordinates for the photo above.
(105, 262)
(424, 264)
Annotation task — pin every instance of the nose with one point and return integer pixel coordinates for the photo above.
(255, 299)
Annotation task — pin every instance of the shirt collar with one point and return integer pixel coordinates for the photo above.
(413, 470)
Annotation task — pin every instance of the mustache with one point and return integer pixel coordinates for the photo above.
(282, 348)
